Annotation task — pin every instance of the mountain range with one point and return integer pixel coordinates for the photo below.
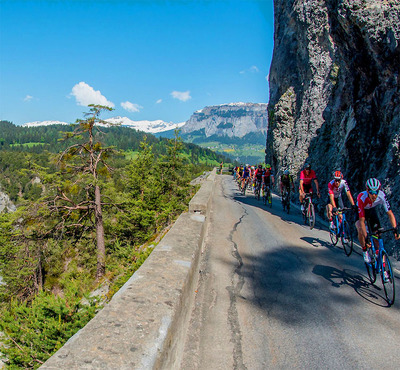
(237, 130)
(146, 126)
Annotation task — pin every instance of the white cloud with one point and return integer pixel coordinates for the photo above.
(131, 107)
(159, 101)
(28, 98)
(85, 95)
(252, 69)
(182, 96)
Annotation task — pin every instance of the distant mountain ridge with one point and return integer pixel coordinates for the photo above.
(231, 120)
(146, 126)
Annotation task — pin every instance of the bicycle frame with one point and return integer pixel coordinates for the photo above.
(342, 231)
(378, 265)
(267, 196)
(286, 199)
(309, 214)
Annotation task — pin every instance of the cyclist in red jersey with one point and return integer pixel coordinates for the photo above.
(307, 176)
(366, 202)
(267, 176)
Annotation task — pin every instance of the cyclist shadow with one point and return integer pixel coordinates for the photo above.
(316, 242)
(355, 280)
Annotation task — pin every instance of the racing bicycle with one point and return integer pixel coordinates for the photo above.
(286, 200)
(257, 189)
(309, 211)
(342, 230)
(267, 197)
(380, 263)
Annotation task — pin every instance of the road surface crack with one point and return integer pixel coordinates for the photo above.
(237, 282)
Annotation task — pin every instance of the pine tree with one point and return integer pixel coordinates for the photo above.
(84, 163)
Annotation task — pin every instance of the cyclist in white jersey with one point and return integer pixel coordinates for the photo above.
(335, 188)
(366, 202)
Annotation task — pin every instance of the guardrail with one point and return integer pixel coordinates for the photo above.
(144, 325)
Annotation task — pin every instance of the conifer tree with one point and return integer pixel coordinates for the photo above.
(79, 199)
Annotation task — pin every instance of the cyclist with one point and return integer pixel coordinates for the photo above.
(252, 171)
(286, 182)
(258, 176)
(240, 174)
(335, 188)
(245, 175)
(366, 202)
(307, 176)
(268, 177)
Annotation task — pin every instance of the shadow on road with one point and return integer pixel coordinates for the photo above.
(293, 287)
(293, 282)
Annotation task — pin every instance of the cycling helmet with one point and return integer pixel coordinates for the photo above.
(267, 166)
(337, 175)
(286, 172)
(252, 167)
(373, 185)
(307, 166)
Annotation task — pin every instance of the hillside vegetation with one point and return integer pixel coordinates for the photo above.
(89, 209)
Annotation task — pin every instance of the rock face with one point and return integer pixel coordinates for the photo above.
(5, 203)
(232, 120)
(334, 91)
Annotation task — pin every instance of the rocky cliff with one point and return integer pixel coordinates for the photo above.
(334, 90)
(5, 203)
(232, 120)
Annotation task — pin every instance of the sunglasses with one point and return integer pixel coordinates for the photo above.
(373, 192)
(336, 180)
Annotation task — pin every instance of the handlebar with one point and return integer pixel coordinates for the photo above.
(383, 231)
(344, 209)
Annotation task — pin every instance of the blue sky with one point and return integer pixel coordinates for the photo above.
(149, 59)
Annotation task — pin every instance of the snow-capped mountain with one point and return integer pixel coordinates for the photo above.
(146, 126)
(44, 123)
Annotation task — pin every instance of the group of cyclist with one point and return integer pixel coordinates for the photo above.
(364, 206)
(260, 177)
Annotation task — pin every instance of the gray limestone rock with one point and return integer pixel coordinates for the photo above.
(232, 120)
(335, 91)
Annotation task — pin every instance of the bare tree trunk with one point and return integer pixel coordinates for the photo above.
(101, 249)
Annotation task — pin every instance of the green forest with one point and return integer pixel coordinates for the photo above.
(90, 203)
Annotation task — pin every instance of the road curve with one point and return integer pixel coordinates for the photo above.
(273, 294)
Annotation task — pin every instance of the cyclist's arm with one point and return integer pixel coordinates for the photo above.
(301, 186)
(350, 197)
(316, 186)
(393, 222)
(332, 199)
(363, 234)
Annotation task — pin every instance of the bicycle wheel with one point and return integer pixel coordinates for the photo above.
(311, 216)
(388, 284)
(371, 266)
(334, 237)
(244, 188)
(347, 239)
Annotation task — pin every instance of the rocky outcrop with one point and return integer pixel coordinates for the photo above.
(334, 90)
(232, 120)
(5, 203)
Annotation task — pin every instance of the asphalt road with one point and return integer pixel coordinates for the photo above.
(273, 294)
